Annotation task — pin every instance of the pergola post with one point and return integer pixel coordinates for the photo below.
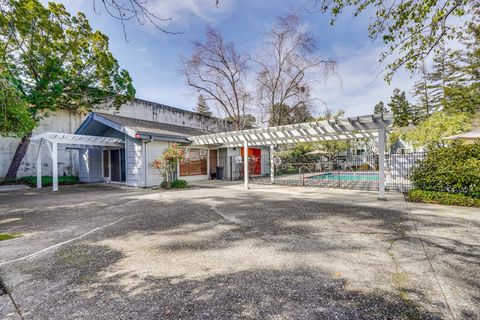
(208, 165)
(39, 165)
(245, 163)
(272, 165)
(55, 166)
(381, 164)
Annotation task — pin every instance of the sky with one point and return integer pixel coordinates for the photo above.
(152, 57)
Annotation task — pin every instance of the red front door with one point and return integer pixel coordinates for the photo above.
(255, 160)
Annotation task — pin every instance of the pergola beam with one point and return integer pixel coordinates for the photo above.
(370, 126)
(53, 140)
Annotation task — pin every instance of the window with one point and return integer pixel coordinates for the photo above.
(194, 163)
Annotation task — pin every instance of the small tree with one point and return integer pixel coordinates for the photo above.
(202, 106)
(335, 147)
(430, 133)
(380, 108)
(167, 163)
(401, 108)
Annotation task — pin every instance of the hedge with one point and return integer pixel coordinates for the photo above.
(454, 169)
(47, 180)
(436, 197)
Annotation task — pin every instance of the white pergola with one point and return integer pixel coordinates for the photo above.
(371, 126)
(74, 141)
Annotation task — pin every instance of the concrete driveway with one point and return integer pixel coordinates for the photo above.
(221, 252)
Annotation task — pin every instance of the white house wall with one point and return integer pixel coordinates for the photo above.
(154, 150)
(134, 162)
(66, 121)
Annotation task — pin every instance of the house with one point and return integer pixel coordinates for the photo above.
(67, 121)
(140, 142)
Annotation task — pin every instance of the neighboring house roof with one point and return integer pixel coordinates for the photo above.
(137, 128)
(471, 135)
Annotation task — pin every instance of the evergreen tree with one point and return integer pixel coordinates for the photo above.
(444, 74)
(401, 108)
(202, 106)
(464, 94)
(380, 108)
(421, 91)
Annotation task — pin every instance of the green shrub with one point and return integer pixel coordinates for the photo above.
(175, 184)
(47, 180)
(179, 184)
(454, 169)
(445, 198)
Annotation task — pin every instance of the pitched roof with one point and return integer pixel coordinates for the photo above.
(151, 127)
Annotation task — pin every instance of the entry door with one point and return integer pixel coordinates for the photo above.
(256, 154)
(106, 164)
(115, 165)
(213, 161)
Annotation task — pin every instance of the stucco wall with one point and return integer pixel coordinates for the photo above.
(67, 122)
(61, 121)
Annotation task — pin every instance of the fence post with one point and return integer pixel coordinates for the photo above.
(245, 163)
(272, 165)
(381, 164)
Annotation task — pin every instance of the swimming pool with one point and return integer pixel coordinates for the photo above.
(346, 176)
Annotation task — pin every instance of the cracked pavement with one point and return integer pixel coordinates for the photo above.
(219, 251)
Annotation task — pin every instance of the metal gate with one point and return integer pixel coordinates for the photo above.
(352, 172)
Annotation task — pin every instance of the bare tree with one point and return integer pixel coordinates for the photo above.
(126, 10)
(287, 64)
(218, 71)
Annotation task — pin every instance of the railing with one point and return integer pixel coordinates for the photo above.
(354, 172)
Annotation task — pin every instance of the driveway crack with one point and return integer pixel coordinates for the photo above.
(4, 290)
(424, 249)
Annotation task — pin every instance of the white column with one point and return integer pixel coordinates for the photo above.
(55, 166)
(381, 164)
(272, 165)
(245, 163)
(208, 164)
(39, 165)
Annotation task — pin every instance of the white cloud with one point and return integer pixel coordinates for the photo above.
(358, 86)
(181, 12)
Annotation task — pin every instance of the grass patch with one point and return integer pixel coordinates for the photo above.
(8, 236)
(445, 198)
(31, 181)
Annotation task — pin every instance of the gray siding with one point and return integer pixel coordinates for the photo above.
(90, 165)
(134, 160)
(83, 164)
(95, 157)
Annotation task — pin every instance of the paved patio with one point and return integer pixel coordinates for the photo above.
(219, 251)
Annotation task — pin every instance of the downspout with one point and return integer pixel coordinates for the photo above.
(145, 184)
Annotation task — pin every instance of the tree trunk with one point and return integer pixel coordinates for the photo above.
(18, 157)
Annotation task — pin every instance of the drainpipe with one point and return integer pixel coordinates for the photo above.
(144, 149)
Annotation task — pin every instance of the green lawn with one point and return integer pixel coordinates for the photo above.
(8, 236)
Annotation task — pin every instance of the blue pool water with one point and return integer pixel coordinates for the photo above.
(347, 176)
